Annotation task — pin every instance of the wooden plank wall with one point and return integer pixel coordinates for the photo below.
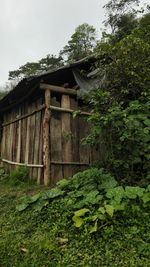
(66, 134)
(22, 140)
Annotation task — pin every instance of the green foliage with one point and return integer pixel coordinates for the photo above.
(121, 16)
(40, 200)
(94, 197)
(78, 221)
(121, 105)
(81, 43)
(19, 176)
(50, 62)
(49, 237)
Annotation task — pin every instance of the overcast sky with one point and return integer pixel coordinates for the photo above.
(31, 29)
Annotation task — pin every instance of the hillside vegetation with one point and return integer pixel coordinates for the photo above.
(88, 220)
(99, 217)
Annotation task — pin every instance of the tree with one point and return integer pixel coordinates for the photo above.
(50, 62)
(81, 43)
(121, 105)
(33, 68)
(117, 10)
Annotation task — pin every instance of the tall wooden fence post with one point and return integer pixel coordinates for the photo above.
(66, 135)
(46, 138)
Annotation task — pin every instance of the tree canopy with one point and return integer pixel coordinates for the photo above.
(33, 68)
(121, 103)
(81, 43)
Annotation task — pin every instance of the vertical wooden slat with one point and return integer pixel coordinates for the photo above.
(32, 138)
(83, 132)
(56, 147)
(40, 158)
(46, 138)
(36, 142)
(75, 136)
(11, 142)
(3, 143)
(19, 142)
(23, 139)
(66, 136)
(27, 141)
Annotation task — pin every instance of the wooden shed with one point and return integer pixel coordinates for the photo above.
(38, 129)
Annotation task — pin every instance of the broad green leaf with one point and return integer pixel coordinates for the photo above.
(22, 206)
(116, 193)
(81, 212)
(102, 217)
(133, 192)
(93, 197)
(148, 188)
(63, 183)
(146, 197)
(34, 198)
(108, 182)
(77, 221)
(93, 229)
(55, 192)
(117, 206)
(39, 205)
(102, 210)
(94, 217)
(109, 210)
(147, 122)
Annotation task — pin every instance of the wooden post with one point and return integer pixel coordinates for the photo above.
(66, 135)
(46, 138)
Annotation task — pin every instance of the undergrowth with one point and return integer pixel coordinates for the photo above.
(88, 220)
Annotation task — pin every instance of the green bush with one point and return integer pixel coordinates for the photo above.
(19, 176)
(92, 198)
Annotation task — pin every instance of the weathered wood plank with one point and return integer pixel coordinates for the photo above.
(46, 139)
(40, 177)
(36, 140)
(84, 150)
(29, 114)
(18, 156)
(56, 146)
(27, 149)
(58, 89)
(75, 132)
(66, 135)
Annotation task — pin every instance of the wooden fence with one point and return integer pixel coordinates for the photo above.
(43, 135)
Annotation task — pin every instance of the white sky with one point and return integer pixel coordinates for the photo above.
(31, 29)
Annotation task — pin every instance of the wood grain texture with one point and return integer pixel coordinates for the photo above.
(56, 146)
(58, 89)
(66, 136)
(46, 138)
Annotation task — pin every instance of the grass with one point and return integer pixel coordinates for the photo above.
(49, 239)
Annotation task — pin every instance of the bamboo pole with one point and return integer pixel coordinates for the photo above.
(46, 138)
(22, 164)
(69, 163)
(68, 110)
